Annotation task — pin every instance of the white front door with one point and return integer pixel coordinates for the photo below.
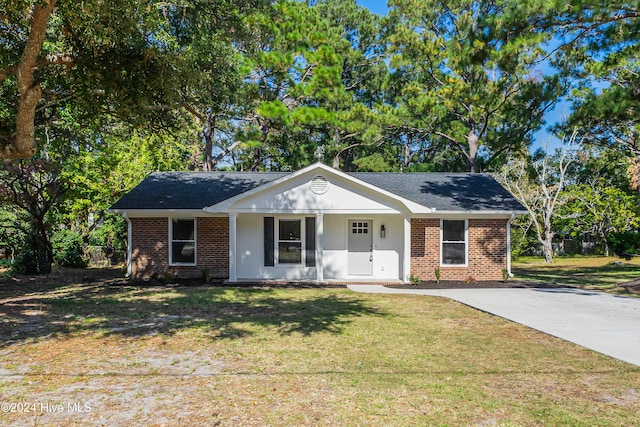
(360, 247)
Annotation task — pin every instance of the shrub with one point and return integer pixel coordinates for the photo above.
(625, 244)
(26, 261)
(112, 233)
(68, 249)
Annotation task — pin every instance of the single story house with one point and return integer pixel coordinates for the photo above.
(319, 224)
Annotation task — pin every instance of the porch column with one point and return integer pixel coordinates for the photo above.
(406, 261)
(319, 247)
(509, 245)
(233, 276)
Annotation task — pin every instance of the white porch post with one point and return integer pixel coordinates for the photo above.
(509, 246)
(406, 262)
(319, 247)
(233, 275)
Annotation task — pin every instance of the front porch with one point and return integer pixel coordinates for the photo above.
(321, 248)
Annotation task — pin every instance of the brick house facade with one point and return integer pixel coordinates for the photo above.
(150, 249)
(487, 251)
(319, 224)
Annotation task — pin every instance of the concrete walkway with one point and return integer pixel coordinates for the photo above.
(599, 321)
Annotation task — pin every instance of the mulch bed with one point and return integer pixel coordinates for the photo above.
(453, 284)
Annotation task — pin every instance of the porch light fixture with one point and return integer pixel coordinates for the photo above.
(383, 232)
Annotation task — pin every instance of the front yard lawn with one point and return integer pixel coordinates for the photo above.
(120, 355)
(595, 273)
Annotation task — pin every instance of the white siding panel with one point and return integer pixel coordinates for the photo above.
(250, 248)
(296, 195)
(250, 254)
(387, 252)
(335, 246)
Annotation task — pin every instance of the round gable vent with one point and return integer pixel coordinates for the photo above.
(319, 185)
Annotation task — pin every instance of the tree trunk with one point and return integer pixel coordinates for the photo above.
(209, 134)
(547, 249)
(636, 168)
(407, 154)
(336, 161)
(42, 246)
(22, 144)
(37, 258)
(472, 158)
(257, 157)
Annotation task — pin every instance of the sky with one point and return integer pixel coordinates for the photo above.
(375, 6)
(557, 114)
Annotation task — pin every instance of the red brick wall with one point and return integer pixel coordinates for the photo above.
(150, 249)
(487, 250)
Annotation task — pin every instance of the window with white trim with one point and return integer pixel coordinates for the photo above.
(289, 241)
(182, 241)
(453, 247)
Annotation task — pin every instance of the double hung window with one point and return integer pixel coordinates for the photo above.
(453, 247)
(182, 250)
(289, 241)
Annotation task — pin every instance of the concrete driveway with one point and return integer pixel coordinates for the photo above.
(599, 321)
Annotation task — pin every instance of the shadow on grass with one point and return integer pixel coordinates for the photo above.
(221, 313)
(600, 276)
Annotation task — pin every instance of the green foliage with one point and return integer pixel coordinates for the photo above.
(68, 249)
(25, 261)
(598, 209)
(414, 280)
(111, 233)
(436, 272)
(313, 81)
(462, 77)
(141, 67)
(624, 244)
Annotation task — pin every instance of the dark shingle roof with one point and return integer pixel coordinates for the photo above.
(442, 191)
(191, 190)
(446, 191)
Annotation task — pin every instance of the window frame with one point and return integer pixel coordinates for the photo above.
(194, 242)
(444, 242)
(277, 241)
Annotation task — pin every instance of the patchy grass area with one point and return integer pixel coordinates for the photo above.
(95, 353)
(597, 273)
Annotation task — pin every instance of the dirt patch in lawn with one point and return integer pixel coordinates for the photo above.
(59, 277)
(632, 286)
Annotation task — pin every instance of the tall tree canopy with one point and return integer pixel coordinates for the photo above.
(312, 77)
(125, 58)
(465, 76)
(601, 53)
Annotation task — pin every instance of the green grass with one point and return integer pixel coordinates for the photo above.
(597, 273)
(253, 356)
